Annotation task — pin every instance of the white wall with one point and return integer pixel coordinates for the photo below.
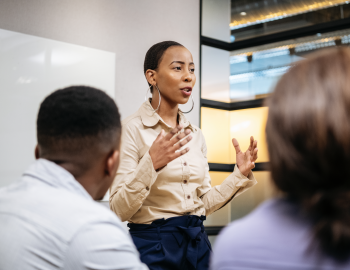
(126, 27)
(216, 18)
(30, 69)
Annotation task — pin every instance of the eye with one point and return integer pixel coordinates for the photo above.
(177, 68)
(192, 69)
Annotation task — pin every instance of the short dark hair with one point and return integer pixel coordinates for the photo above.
(155, 53)
(308, 136)
(77, 118)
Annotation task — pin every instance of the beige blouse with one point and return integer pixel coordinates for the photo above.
(141, 195)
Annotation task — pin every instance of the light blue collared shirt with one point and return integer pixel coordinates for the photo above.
(49, 221)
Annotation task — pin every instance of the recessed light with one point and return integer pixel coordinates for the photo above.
(243, 13)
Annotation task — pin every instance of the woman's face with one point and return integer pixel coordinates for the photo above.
(175, 75)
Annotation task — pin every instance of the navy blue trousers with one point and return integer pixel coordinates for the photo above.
(173, 244)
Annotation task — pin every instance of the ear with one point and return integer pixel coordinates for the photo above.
(36, 152)
(151, 76)
(112, 163)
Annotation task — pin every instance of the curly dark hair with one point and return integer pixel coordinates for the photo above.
(155, 53)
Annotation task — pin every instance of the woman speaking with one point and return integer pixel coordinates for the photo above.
(163, 185)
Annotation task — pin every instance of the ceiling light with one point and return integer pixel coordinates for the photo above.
(278, 12)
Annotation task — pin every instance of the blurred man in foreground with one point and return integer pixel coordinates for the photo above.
(49, 220)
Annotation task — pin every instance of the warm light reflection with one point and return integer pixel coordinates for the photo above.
(246, 123)
(218, 177)
(281, 11)
(220, 126)
(215, 127)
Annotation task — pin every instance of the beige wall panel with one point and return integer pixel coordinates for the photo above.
(246, 123)
(215, 127)
(249, 200)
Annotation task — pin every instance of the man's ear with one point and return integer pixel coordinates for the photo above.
(112, 163)
(36, 152)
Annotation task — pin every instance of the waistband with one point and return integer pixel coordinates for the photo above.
(174, 222)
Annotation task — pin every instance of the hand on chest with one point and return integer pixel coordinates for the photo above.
(186, 169)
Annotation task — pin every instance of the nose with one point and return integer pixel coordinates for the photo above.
(187, 76)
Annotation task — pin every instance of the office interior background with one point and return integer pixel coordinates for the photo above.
(240, 49)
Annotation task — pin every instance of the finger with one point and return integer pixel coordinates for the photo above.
(160, 135)
(180, 153)
(252, 165)
(250, 148)
(255, 155)
(236, 145)
(255, 145)
(173, 132)
(182, 143)
(180, 136)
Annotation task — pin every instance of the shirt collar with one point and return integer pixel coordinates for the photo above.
(151, 118)
(54, 175)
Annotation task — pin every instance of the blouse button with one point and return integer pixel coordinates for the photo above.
(188, 197)
(147, 188)
(185, 163)
(185, 181)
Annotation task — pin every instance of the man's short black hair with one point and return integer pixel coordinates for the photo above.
(77, 119)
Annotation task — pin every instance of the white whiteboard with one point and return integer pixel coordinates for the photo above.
(31, 68)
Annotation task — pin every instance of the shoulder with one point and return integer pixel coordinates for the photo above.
(261, 220)
(266, 230)
(103, 243)
(198, 134)
(197, 131)
(132, 120)
(97, 216)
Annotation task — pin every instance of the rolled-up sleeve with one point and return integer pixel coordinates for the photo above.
(216, 197)
(134, 178)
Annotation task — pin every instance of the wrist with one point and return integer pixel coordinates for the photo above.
(245, 172)
(155, 165)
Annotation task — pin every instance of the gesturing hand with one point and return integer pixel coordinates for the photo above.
(163, 149)
(245, 161)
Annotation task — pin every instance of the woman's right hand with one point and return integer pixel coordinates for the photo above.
(163, 149)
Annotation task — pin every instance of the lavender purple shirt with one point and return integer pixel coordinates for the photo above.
(275, 236)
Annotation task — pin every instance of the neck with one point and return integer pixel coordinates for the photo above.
(85, 178)
(167, 110)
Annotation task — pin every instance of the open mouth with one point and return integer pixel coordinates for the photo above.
(186, 91)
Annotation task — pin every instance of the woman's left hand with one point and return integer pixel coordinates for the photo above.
(246, 161)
